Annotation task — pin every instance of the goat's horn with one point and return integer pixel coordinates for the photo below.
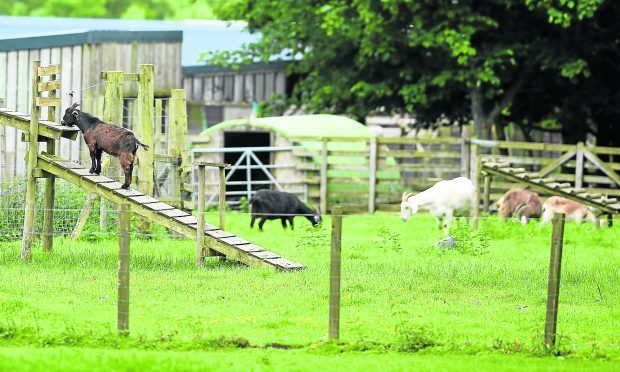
(406, 196)
(75, 105)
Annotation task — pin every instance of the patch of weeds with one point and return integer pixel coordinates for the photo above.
(356, 256)
(314, 237)
(388, 239)
(413, 339)
(474, 243)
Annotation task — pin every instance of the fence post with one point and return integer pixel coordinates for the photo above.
(334, 274)
(323, 176)
(555, 265)
(144, 108)
(33, 152)
(112, 113)
(465, 150)
(475, 177)
(200, 228)
(487, 193)
(579, 166)
(222, 200)
(372, 177)
(157, 140)
(178, 143)
(50, 183)
(123, 267)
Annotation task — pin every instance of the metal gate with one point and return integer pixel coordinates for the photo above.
(245, 164)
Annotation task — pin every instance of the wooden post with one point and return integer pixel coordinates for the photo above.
(50, 183)
(83, 217)
(487, 193)
(146, 100)
(323, 175)
(475, 177)
(113, 114)
(579, 166)
(31, 185)
(610, 220)
(465, 151)
(177, 141)
(222, 200)
(200, 228)
(555, 266)
(334, 274)
(123, 268)
(372, 176)
(157, 140)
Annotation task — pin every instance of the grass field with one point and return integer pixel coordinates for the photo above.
(404, 302)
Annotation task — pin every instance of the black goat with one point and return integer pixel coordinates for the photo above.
(273, 205)
(100, 136)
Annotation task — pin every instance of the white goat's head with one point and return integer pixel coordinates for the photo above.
(407, 208)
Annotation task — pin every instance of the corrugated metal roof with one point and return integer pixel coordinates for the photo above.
(198, 36)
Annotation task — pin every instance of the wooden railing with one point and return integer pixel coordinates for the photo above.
(369, 174)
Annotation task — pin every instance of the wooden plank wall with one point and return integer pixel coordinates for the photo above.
(81, 67)
(235, 87)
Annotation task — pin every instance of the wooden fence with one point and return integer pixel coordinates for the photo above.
(370, 174)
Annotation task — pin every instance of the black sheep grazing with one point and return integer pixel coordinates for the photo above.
(100, 136)
(273, 205)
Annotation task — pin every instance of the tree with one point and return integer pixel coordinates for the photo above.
(463, 59)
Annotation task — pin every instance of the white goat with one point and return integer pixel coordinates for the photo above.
(573, 210)
(441, 200)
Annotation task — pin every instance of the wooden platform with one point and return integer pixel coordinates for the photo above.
(228, 244)
(47, 129)
(550, 186)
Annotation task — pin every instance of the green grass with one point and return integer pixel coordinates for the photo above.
(404, 301)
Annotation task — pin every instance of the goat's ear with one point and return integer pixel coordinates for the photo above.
(75, 113)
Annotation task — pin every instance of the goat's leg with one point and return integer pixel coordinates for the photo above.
(128, 170)
(98, 154)
(439, 222)
(447, 221)
(290, 222)
(283, 219)
(252, 221)
(126, 160)
(261, 223)
(93, 162)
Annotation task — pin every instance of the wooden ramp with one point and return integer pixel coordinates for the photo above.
(221, 241)
(550, 186)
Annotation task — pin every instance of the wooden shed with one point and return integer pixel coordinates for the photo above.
(83, 55)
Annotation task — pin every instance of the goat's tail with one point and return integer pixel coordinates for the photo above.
(146, 147)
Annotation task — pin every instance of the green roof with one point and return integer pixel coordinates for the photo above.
(322, 125)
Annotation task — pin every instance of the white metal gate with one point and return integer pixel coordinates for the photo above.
(248, 161)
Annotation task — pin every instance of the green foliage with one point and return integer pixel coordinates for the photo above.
(470, 242)
(465, 60)
(131, 9)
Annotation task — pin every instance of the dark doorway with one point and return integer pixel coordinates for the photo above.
(246, 140)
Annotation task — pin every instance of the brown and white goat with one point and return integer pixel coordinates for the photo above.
(522, 203)
(100, 137)
(573, 210)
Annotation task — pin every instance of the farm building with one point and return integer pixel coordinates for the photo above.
(286, 153)
(105, 44)
(223, 93)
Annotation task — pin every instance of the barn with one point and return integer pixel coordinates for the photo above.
(286, 153)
